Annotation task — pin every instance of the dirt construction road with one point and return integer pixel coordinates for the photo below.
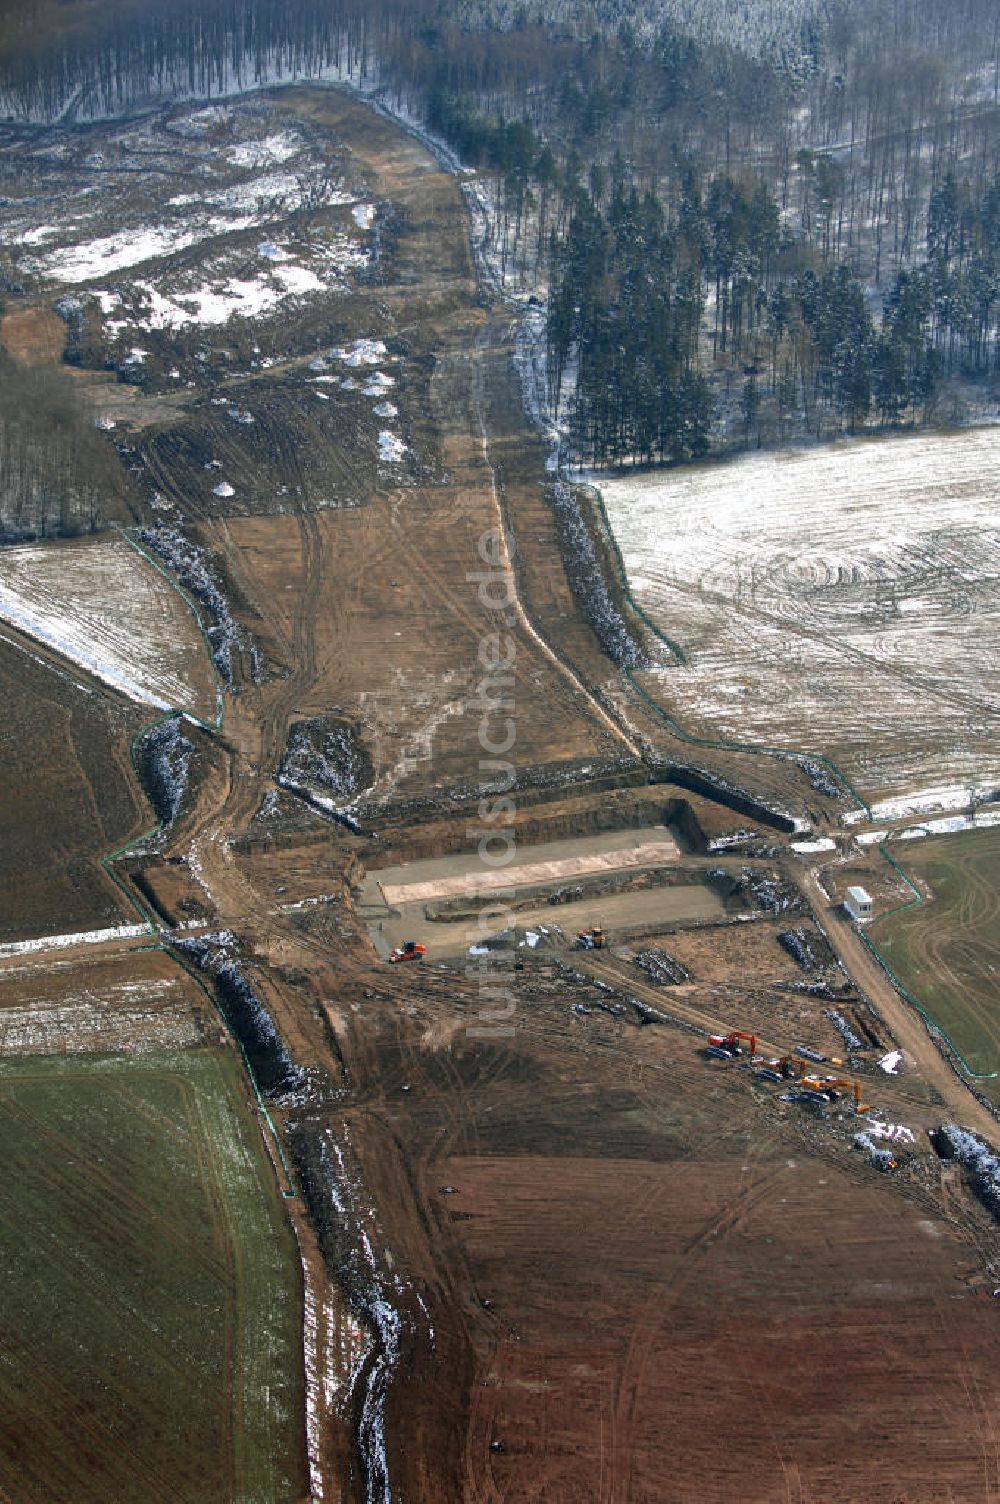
(551, 1251)
(906, 1026)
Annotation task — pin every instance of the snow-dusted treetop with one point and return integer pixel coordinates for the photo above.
(760, 28)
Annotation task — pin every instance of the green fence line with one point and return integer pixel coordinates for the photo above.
(622, 573)
(288, 1190)
(674, 726)
(918, 897)
(755, 749)
(904, 992)
(790, 756)
(192, 606)
(145, 914)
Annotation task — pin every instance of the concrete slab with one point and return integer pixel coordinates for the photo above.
(553, 862)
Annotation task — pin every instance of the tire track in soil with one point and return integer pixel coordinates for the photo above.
(868, 661)
(672, 1009)
(478, 622)
(270, 716)
(506, 554)
(903, 1023)
(648, 1325)
(486, 1399)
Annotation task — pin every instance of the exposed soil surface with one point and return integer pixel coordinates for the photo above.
(552, 1249)
(635, 1235)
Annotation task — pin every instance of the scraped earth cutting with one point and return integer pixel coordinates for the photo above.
(547, 1240)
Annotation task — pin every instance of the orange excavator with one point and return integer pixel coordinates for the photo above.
(832, 1087)
(729, 1044)
(410, 950)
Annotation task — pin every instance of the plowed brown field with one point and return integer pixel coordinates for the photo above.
(552, 1252)
(644, 1261)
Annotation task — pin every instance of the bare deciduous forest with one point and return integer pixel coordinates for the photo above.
(58, 475)
(744, 229)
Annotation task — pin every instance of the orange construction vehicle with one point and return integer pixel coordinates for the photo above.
(730, 1043)
(410, 950)
(789, 1066)
(831, 1088)
(592, 939)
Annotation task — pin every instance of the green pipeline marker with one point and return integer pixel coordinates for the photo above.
(674, 726)
(901, 988)
(791, 756)
(215, 725)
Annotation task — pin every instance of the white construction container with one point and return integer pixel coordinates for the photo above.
(858, 903)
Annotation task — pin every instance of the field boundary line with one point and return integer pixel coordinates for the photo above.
(788, 754)
(176, 586)
(145, 913)
(288, 1190)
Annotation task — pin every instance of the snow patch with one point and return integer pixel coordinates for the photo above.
(298, 279)
(363, 352)
(278, 148)
(377, 383)
(65, 942)
(391, 450)
(114, 253)
(43, 232)
(896, 1133)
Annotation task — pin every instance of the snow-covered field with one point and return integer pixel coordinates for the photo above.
(99, 604)
(136, 1016)
(845, 598)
